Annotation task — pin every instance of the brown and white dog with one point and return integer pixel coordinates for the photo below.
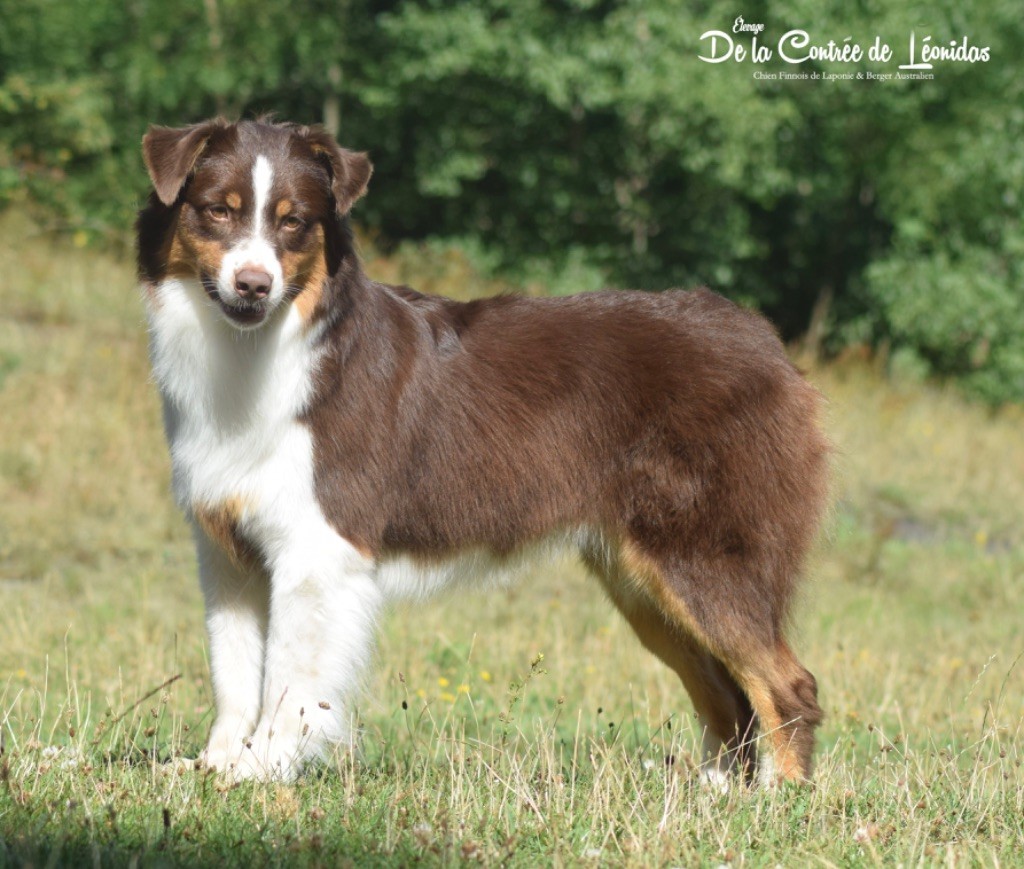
(337, 443)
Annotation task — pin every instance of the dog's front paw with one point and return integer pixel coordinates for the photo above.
(221, 754)
(257, 758)
(182, 765)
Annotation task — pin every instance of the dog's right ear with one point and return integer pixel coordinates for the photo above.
(171, 153)
(350, 171)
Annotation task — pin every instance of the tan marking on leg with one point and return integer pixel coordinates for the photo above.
(363, 550)
(783, 764)
(789, 737)
(666, 628)
(220, 522)
(765, 670)
(650, 579)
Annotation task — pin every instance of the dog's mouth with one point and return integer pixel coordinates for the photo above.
(241, 312)
(245, 313)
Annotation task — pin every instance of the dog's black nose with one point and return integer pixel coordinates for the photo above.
(251, 283)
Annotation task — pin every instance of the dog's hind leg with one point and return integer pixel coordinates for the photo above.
(726, 719)
(741, 655)
(785, 695)
(724, 713)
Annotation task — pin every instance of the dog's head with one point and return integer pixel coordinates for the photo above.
(249, 209)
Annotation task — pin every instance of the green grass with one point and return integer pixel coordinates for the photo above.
(474, 748)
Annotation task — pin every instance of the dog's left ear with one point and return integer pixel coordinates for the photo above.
(350, 170)
(171, 153)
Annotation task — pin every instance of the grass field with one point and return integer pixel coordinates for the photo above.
(523, 727)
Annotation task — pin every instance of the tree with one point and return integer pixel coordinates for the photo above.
(554, 133)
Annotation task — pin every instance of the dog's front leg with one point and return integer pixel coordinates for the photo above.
(323, 604)
(237, 610)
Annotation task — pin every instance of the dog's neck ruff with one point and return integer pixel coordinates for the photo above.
(231, 398)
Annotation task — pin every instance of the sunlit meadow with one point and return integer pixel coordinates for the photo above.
(524, 726)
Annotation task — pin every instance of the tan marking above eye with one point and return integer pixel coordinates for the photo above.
(233, 200)
(283, 208)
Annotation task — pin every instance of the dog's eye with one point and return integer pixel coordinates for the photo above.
(218, 212)
(292, 223)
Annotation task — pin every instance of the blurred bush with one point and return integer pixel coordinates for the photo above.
(573, 138)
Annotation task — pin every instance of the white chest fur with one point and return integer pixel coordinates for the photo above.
(231, 401)
(285, 655)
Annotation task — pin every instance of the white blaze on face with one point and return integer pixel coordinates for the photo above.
(255, 250)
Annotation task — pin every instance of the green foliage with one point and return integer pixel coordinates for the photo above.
(583, 137)
(961, 315)
(949, 286)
